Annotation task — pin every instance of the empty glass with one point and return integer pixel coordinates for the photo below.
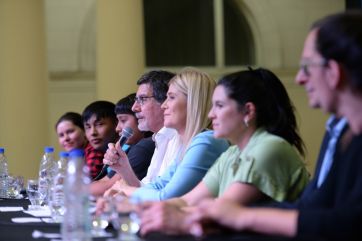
(125, 219)
(101, 220)
(35, 197)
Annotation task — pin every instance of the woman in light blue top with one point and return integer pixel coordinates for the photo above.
(185, 109)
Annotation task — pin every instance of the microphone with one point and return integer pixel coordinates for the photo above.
(125, 135)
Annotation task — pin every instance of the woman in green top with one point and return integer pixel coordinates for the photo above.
(253, 111)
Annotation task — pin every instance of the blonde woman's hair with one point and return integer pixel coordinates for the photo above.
(198, 88)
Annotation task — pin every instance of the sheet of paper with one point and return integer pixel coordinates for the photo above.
(26, 220)
(11, 209)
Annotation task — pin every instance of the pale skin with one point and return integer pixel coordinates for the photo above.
(120, 187)
(224, 127)
(70, 136)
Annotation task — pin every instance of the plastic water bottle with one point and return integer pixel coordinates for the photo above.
(3, 174)
(56, 200)
(76, 224)
(61, 164)
(46, 173)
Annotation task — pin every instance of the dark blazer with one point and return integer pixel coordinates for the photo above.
(312, 185)
(334, 211)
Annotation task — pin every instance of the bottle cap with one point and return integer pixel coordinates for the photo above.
(63, 154)
(48, 149)
(76, 153)
(2, 149)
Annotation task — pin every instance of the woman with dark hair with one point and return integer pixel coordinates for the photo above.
(70, 131)
(253, 111)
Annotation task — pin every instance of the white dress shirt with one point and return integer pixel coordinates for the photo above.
(162, 140)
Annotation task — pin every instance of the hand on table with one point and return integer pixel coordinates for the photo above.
(161, 216)
(211, 214)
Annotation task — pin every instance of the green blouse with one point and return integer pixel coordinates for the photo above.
(268, 162)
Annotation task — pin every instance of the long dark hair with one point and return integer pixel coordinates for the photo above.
(274, 109)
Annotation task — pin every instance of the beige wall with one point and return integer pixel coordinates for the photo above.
(23, 84)
(120, 47)
(96, 52)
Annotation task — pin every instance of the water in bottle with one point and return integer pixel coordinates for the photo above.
(61, 164)
(46, 173)
(77, 219)
(3, 174)
(56, 200)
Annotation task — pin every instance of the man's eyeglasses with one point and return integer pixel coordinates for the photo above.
(305, 65)
(142, 99)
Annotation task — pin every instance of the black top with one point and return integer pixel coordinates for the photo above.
(139, 156)
(334, 211)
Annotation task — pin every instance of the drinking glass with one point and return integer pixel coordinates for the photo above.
(16, 184)
(35, 197)
(125, 219)
(101, 220)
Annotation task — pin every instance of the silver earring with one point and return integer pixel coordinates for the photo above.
(246, 122)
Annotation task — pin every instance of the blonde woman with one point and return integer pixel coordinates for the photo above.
(185, 110)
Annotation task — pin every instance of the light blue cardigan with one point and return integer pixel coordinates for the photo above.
(182, 176)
